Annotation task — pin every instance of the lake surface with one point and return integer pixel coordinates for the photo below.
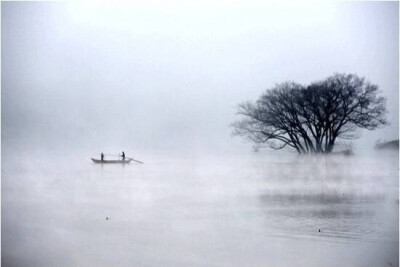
(254, 209)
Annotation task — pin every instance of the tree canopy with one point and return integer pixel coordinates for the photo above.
(312, 118)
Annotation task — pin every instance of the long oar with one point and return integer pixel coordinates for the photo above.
(135, 160)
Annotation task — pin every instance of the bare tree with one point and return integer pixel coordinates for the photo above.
(310, 119)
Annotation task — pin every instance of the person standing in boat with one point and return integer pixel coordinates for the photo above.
(102, 156)
(123, 155)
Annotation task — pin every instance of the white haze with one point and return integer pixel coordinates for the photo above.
(168, 76)
(161, 82)
(234, 210)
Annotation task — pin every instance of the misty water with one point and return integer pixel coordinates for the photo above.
(254, 209)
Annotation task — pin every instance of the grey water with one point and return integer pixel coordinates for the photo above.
(254, 209)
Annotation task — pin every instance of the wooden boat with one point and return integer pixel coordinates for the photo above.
(111, 161)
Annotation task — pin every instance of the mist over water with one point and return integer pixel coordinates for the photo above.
(250, 209)
(161, 82)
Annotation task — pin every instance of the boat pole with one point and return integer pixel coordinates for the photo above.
(135, 160)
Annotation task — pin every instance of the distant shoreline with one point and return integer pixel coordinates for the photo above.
(394, 144)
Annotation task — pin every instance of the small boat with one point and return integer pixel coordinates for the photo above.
(111, 161)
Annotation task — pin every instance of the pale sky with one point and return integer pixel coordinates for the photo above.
(168, 76)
